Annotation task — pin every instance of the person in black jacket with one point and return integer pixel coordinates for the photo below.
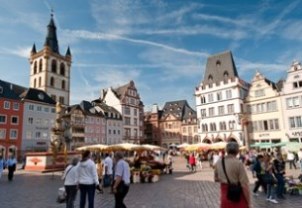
(258, 169)
(279, 172)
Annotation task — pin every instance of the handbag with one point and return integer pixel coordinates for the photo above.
(234, 190)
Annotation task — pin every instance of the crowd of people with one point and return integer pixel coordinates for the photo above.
(88, 176)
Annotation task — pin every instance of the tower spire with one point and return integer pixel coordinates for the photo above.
(51, 38)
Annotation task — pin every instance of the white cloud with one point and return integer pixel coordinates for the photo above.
(20, 51)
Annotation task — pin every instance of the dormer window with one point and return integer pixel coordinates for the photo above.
(40, 96)
(218, 63)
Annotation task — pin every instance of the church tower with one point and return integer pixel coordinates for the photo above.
(49, 70)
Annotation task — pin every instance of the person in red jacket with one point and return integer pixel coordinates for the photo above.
(192, 161)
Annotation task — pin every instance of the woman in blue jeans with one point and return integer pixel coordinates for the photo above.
(88, 180)
(270, 180)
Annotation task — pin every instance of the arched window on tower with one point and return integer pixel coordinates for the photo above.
(35, 82)
(210, 79)
(225, 77)
(63, 84)
(40, 81)
(52, 81)
(62, 69)
(54, 66)
(35, 67)
(40, 65)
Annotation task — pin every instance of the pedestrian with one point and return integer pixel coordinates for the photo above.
(88, 180)
(100, 171)
(70, 178)
(11, 164)
(108, 170)
(2, 165)
(216, 157)
(259, 171)
(192, 161)
(229, 170)
(279, 172)
(291, 160)
(300, 158)
(121, 180)
(270, 180)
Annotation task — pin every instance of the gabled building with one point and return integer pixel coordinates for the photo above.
(38, 120)
(219, 101)
(113, 122)
(292, 103)
(177, 123)
(11, 119)
(49, 69)
(152, 130)
(126, 101)
(264, 110)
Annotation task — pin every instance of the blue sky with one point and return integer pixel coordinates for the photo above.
(161, 45)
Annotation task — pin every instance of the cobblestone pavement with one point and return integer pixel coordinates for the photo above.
(179, 190)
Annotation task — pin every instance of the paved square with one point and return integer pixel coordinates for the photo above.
(179, 190)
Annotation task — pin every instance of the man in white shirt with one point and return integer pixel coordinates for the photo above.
(121, 180)
(108, 170)
(300, 158)
(291, 160)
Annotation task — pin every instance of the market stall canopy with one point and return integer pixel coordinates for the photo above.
(183, 145)
(218, 145)
(152, 147)
(124, 146)
(268, 144)
(93, 147)
(292, 146)
(198, 146)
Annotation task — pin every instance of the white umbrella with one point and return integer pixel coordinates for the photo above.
(93, 147)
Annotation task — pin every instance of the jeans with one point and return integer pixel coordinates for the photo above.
(271, 191)
(280, 184)
(291, 164)
(120, 194)
(87, 190)
(259, 182)
(71, 192)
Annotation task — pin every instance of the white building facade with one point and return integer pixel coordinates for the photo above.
(264, 109)
(219, 101)
(38, 120)
(126, 101)
(292, 103)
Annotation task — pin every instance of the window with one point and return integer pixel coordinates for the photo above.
(292, 122)
(265, 124)
(62, 69)
(230, 108)
(63, 84)
(46, 110)
(135, 121)
(40, 65)
(53, 110)
(54, 66)
(292, 102)
(295, 122)
(30, 120)
(16, 106)
(6, 105)
(35, 83)
(220, 110)
(2, 133)
(229, 94)
(35, 67)
(38, 135)
(13, 134)
(14, 120)
(61, 100)
(276, 122)
(29, 135)
(259, 93)
(135, 112)
(127, 110)
(225, 77)
(271, 106)
(127, 121)
(219, 96)
(54, 97)
(31, 107)
(202, 100)
(211, 112)
(203, 113)
(210, 97)
(184, 130)
(2, 119)
(40, 81)
(39, 108)
(52, 82)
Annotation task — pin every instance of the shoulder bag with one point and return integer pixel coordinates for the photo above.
(234, 190)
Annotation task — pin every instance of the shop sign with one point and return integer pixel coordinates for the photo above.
(264, 135)
(297, 133)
